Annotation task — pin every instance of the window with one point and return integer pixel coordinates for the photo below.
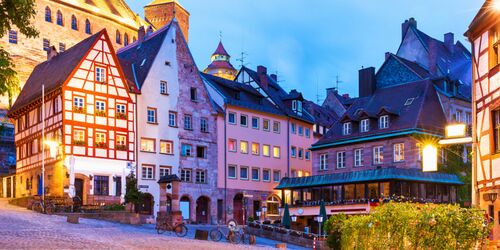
(78, 105)
(496, 130)
(266, 150)
(48, 14)
(13, 36)
(204, 125)
(152, 116)
(276, 175)
(308, 132)
(118, 37)
(201, 176)
(244, 147)
(276, 152)
(59, 20)
(147, 172)
(365, 125)
(409, 101)
(231, 172)
(164, 171)
(276, 127)
(255, 148)
(358, 157)
(293, 128)
(308, 155)
(62, 47)
(121, 142)
(255, 122)
(46, 44)
(121, 112)
(301, 130)
(457, 116)
(125, 39)
(468, 118)
(383, 121)
(297, 106)
(378, 155)
(244, 120)
(244, 173)
(166, 147)
(399, 152)
(188, 122)
(272, 204)
(266, 125)
(201, 152)
(301, 153)
(194, 94)
(341, 159)
(495, 44)
(187, 150)
(255, 174)
(347, 128)
(100, 140)
(100, 74)
(186, 175)
(323, 161)
(231, 145)
(294, 151)
(163, 88)
(100, 108)
(87, 27)
(74, 23)
(79, 137)
(419, 149)
(172, 119)
(266, 175)
(101, 185)
(148, 145)
(232, 118)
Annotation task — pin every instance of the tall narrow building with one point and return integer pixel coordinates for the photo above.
(221, 65)
(161, 12)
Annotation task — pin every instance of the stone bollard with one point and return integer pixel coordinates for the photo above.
(281, 245)
(201, 234)
(73, 219)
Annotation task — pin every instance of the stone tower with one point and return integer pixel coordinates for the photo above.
(221, 65)
(160, 12)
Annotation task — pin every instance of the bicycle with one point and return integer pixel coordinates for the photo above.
(162, 225)
(247, 238)
(232, 236)
(42, 206)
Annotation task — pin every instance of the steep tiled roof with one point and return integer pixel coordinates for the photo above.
(220, 65)
(413, 66)
(137, 58)
(407, 104)
(322, 116)
(54, 72)
(241, 95)
(220, 50)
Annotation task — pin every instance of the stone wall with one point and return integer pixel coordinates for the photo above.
(161, 14)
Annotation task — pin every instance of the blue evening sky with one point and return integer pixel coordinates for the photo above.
(310, 42)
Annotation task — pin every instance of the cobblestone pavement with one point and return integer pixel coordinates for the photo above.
(24, 229)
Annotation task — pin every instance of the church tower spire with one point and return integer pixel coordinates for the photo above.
(221, 65)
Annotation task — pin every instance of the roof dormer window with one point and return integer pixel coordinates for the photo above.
(297, 106)
(347, 128)
(365, 125)
(383, 122)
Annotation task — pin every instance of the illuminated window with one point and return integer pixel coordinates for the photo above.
(74, 23)
(266, 125)
(341, 159)
(100, 74)
(121, 142)
(244, 147)
(121, 111)
(399, 152)
(147, 172)
(255, 148)
(100, 140)
(383, 121)
(148, 145)
(48, 14)
(266, 150)
(231, 145)
(276, 152)
(166, 147)
(60, 20)
(13, 36)
(272, 205)
(378, 155)
(100, 108)
(79, 137)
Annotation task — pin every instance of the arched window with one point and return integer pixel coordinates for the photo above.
(87, 27)
(60, 18)
(125, 39)
(74, 23)
(48, 14)
(118, 37)
(273, 204)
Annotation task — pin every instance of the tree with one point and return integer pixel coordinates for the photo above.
(133, 195)
(18, 14)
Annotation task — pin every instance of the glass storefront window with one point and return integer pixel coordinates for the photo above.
(349, 192)
(360, 191)
(373, 190)
(385, 190)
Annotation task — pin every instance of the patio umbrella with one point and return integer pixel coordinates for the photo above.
(322, 211)
(287, 220)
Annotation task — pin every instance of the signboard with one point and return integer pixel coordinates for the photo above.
(143, 186)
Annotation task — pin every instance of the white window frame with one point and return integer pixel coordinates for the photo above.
(147, 141)
(147, 172)
(276, 152)
(378, 155)
(346, 128)
(151, 116)
(246, 120)
(241, 171)
(365, 125)
(231, 114)
(341, 158)
(358, 157)
(235, 171)
(383, 122)
(258, 122)
(163, 88)
(323, 161)
(100, 74)
(399, 152)
(243, 147)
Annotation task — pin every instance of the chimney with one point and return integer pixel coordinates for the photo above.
(262, 72)
(407, 24)
(330, 91)
(346, 96)
(274, 77)
(449, 41)
(141, 33)
(51, 53)
(367, 83)
(433, 57)
(387, 55)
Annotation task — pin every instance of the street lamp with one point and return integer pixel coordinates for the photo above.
(258, 212)
(496, 5)
(319, 219)
(294, 218)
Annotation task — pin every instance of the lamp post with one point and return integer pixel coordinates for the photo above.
(258, 212)
(280, 210)
(319, 219)
(264, 210)
(294, 218)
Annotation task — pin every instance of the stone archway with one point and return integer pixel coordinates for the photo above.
(203, 210)
(185, 207)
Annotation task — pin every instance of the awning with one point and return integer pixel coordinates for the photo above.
(383, 174)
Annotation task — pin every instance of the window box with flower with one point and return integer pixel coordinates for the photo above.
(121, 116)
(101, 145)
(121, 147)
(77, 109)
(79, 143)
(101, 113)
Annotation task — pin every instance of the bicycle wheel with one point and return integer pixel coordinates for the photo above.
(50, 209)
(215, 235)
(245, 238)
(160, 228)
(181, 230)
(235, 238)
(37, 207)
